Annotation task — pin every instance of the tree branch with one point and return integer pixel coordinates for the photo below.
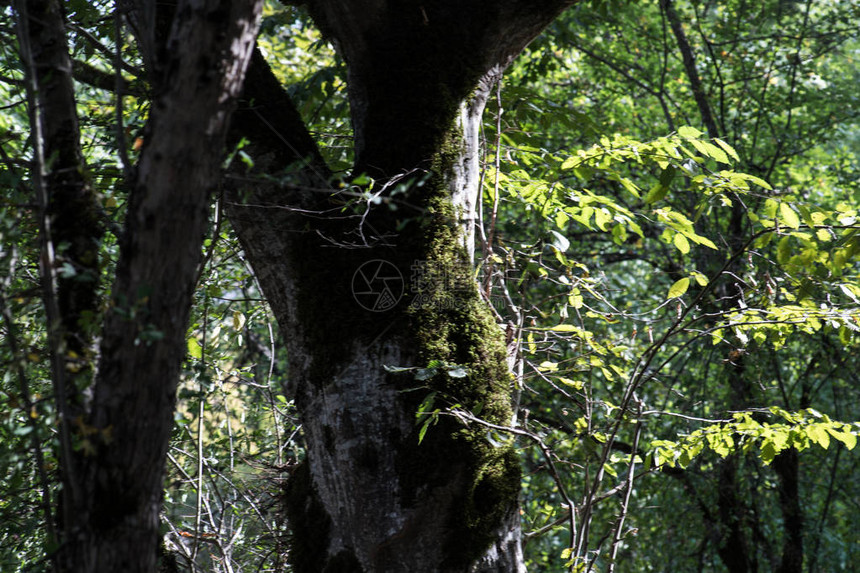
(689, 60)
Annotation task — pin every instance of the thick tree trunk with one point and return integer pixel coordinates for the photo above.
(369, 496)
(113, 481)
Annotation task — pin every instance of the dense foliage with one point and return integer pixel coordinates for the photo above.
(669, 238)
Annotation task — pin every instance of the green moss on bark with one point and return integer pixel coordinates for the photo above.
(458, 328)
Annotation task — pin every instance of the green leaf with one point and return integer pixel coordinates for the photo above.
(768, 452)
(426, 404)
(682, 243)
(788, 216)
(423, 430)
(194, 349)
(667, 175)
(689, 132)
(656, 193)
(679, 288)
(783, 250)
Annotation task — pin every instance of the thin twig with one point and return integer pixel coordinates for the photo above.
(625, 505)
(27, 401)
(119, 93)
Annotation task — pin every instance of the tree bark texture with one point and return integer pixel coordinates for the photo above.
(70, 230)
(114, 480)
(70, 206)
(369, 497)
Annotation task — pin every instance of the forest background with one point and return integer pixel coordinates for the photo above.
(667, 238)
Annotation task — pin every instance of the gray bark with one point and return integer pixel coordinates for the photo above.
(465, 178)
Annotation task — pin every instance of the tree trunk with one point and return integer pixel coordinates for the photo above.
(369, 497)
(376, 300)
(113, 480)
(70, 230)
(787, 468)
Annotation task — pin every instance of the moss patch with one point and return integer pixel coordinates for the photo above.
(456, 327)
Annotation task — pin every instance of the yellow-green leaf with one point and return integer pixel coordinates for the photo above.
(700, 278)
(602, 217)
(238, 320)
(679, 288)
(728, 149)
(194, 349)
(570, 163)
(682, 243)
(575, 298)
(788, 216)
(687, 131)
(576, 384)
(547, 366)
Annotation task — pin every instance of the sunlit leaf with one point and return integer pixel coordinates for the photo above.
(681, 243)
(679, 288)
(788, 216)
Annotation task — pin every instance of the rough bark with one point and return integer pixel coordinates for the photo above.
(70, 205)
(113, 495)
(70, 230)
(369, 497)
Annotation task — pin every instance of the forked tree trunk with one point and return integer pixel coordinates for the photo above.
(369, 497)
